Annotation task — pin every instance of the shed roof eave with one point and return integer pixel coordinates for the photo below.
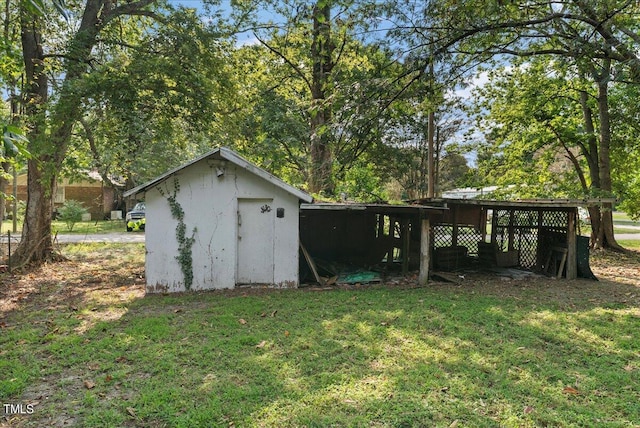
(232, 156)
(223, 153)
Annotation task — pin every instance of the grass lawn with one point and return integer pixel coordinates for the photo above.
(630, 244)
(623, 219)
(81, 227)
(81, 343)
(89, 227)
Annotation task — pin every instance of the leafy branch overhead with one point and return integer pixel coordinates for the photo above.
(14, 143)
(353, 99)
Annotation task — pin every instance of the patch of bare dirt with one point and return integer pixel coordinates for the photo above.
(68, 284)
(91, 288)
(104, 282)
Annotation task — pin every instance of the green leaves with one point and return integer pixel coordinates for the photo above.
(39, 7)
(13, 143)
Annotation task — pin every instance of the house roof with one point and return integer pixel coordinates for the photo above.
(223, 153)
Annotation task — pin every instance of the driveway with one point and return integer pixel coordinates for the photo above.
(125, 237)
(627, 236)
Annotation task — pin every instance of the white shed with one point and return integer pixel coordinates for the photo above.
(217, 222)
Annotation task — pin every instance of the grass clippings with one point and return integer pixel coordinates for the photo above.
(81, 345)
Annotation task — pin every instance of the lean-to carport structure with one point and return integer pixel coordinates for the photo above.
(538, 235)
(384, 236)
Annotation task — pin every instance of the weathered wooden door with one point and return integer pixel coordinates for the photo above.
(255, 241)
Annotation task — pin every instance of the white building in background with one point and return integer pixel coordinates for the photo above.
(239, 226)
(468, 192)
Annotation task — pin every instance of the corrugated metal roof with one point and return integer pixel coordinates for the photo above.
(372, 207)
(223, 153)
(528, 203)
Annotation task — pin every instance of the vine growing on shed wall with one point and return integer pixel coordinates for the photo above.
(185, 244)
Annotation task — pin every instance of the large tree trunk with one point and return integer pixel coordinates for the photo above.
(36, 244)
(605, 237)
(36, 232)
(49, 148)
(320, 176)
(591, 154)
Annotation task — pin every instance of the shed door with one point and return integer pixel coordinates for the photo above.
(255, 241)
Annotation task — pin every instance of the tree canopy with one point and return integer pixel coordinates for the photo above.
(337, 97)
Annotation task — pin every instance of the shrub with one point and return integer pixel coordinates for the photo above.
(71, 212)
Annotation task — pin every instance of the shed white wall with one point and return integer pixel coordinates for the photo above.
(210, 204)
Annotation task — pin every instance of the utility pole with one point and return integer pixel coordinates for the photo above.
(430, 137)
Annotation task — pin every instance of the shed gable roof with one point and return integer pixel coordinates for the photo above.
(223, 153)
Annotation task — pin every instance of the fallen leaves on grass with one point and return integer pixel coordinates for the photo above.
(571, 391)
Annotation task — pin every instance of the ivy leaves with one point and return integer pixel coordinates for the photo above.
(185, 244)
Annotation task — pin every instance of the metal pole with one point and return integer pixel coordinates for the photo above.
(9, 243)
(15, 200)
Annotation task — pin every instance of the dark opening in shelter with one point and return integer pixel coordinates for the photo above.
(535, 235)
(350, 242)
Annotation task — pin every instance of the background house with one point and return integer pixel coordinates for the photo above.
(220, 222)
(97, 197)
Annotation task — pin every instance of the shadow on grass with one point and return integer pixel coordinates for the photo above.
(525, 353)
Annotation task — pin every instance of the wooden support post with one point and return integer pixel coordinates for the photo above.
(391, 241)
(494, 227)
(312, 265)
(483, 225)
(557, 258)
(425, 251)
(572, 248)
(405, 237)
(540, 253)
(511, 230)
(454, 232)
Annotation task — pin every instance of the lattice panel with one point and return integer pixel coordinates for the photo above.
(532, 232)
(442, 235)
(555, 219)
(526, 231)
(525, 240)
(520, 218)
(524, 224)
(468, 236)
